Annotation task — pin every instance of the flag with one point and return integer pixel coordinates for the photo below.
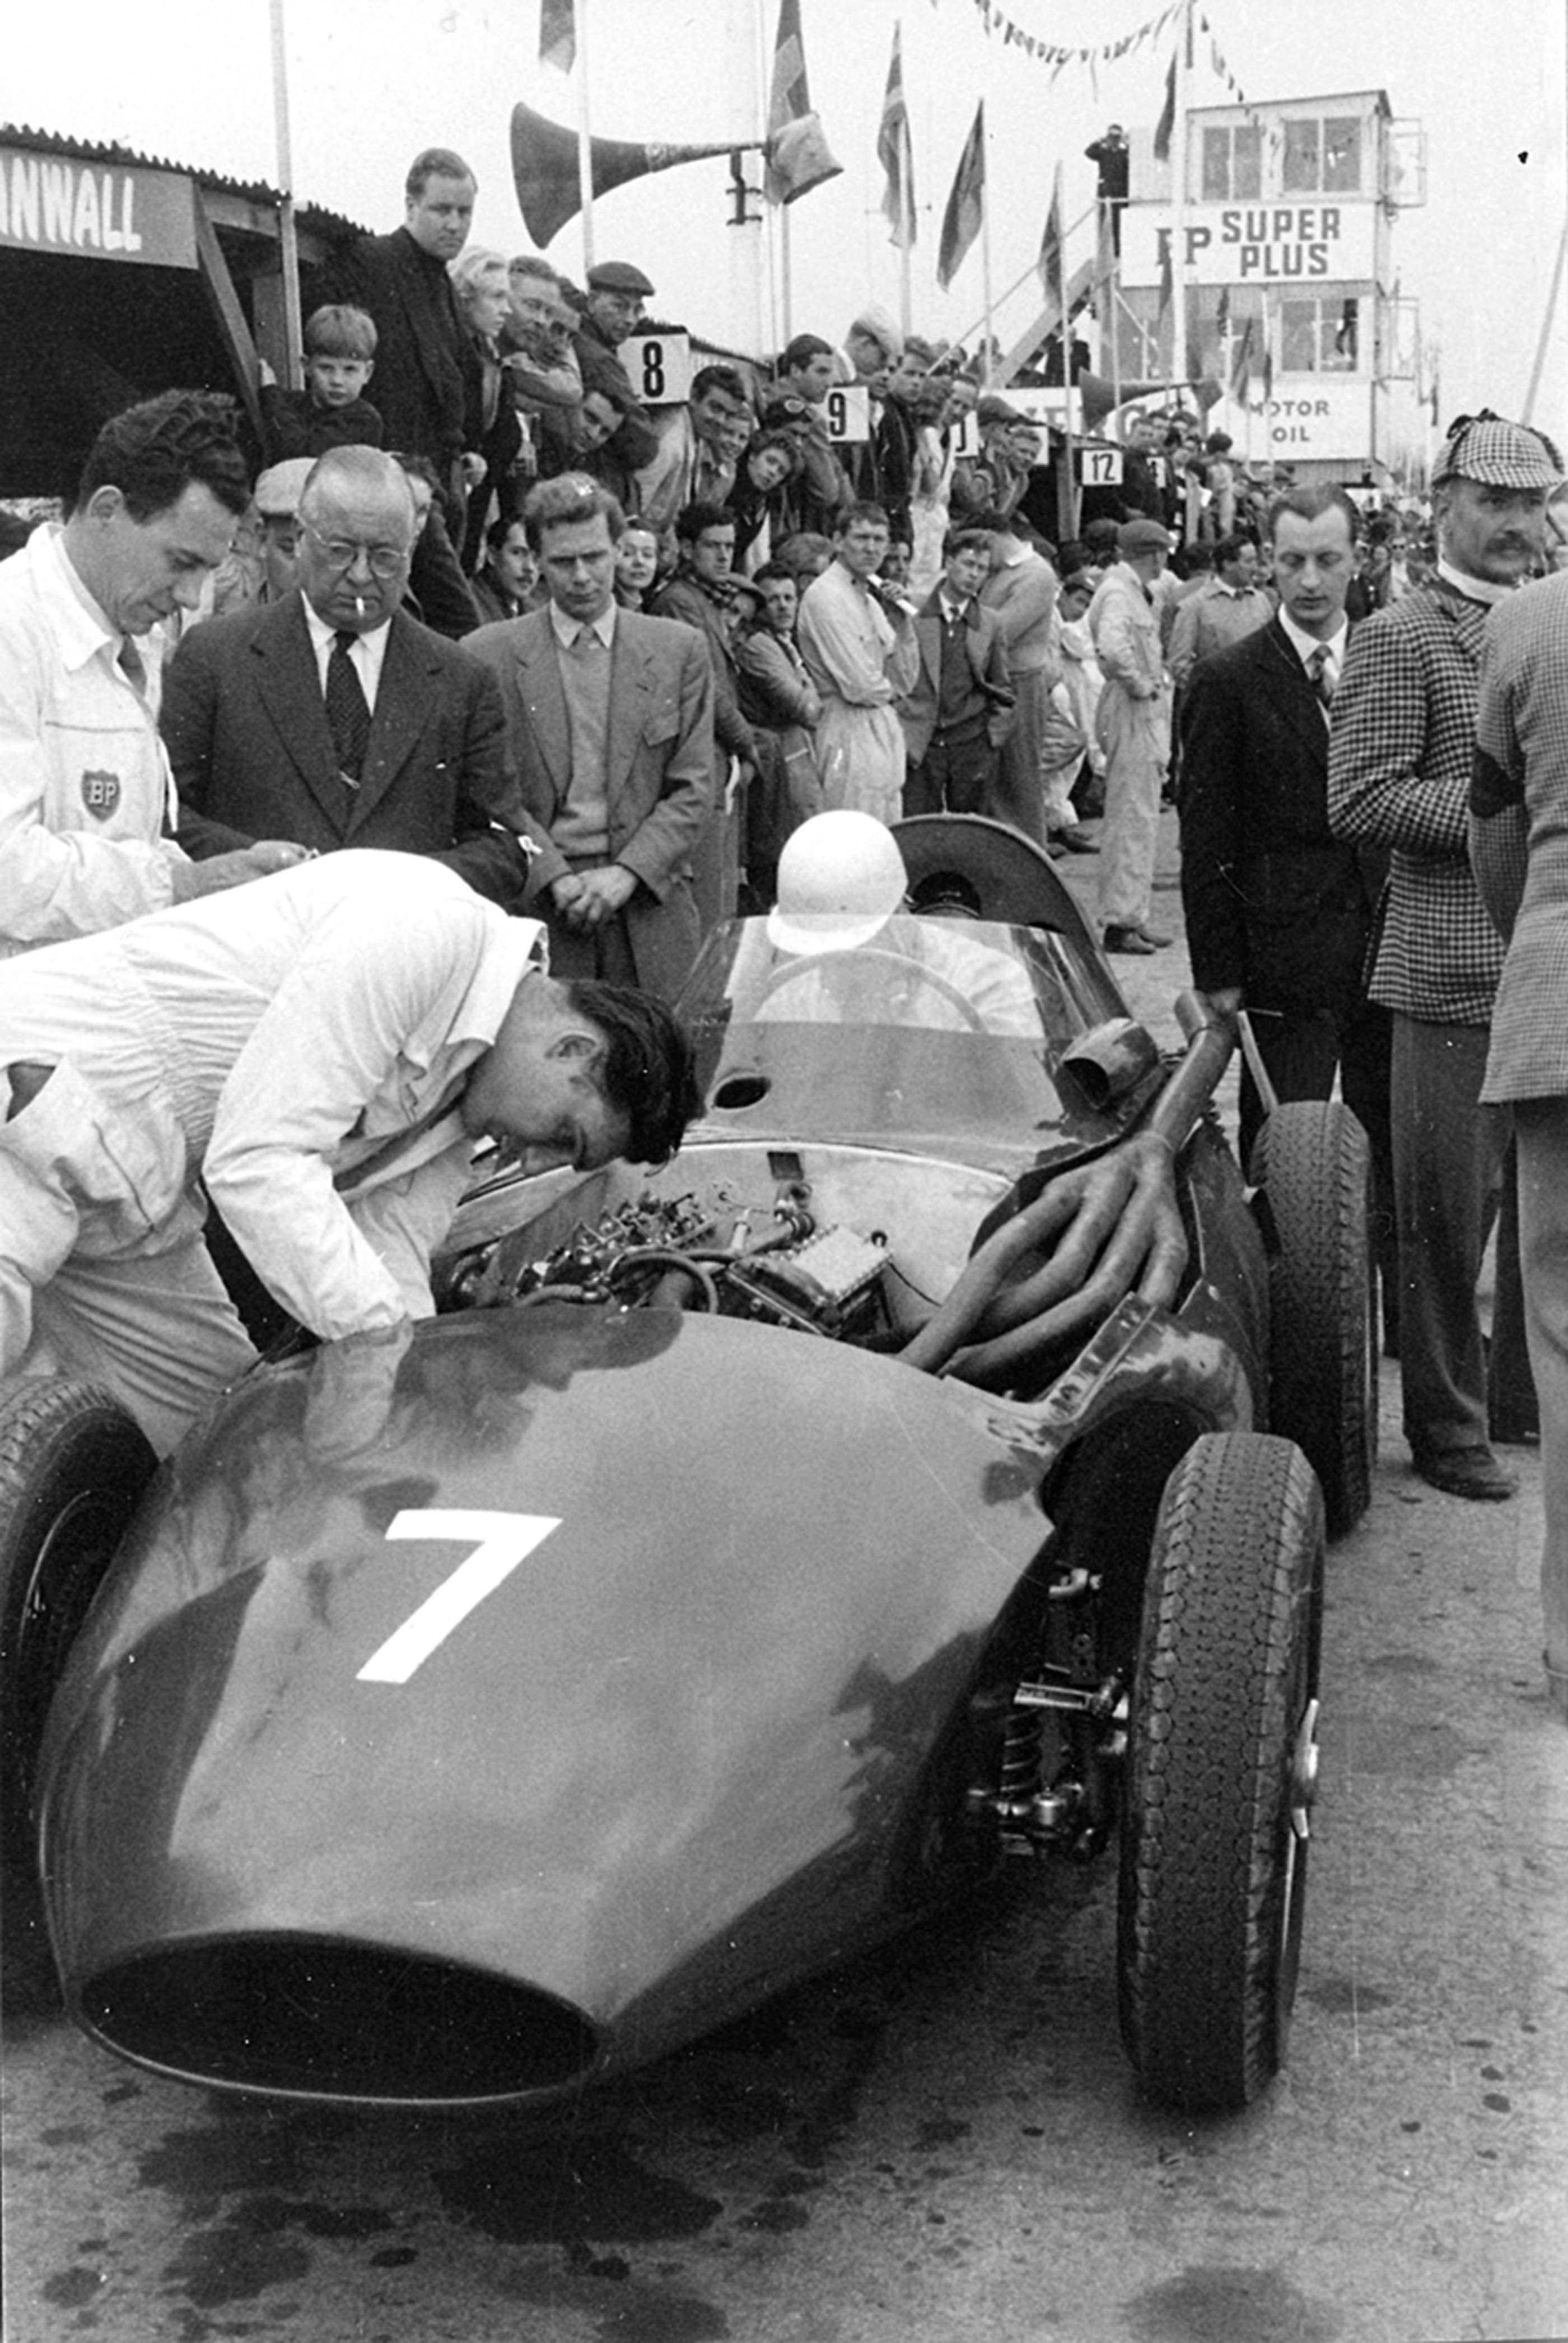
(893, 149)
(1268, 374)
(1242, 365)
(797, 152)
(1167, 122)
(1052, 259)
(962, 219)
(558, 33)
(1222, 313)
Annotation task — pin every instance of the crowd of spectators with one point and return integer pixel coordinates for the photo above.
(600, 655)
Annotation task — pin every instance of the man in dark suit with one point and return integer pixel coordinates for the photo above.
(333, 719)
(1278, 912)
(423, 352)
(609, 717)
(956, 715)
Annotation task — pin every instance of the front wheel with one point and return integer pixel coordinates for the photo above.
(73, 1467)
(1220, 1773)
(1313, 1162)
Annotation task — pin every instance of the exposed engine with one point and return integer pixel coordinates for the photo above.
(675, 1252)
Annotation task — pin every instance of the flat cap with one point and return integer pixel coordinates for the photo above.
(1141, 535)
(618, 276)
(993, 410)
(1499, 454)
(278, 490)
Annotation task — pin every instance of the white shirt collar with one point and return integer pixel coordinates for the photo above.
(567, 629)
(368, 651)
(1307, 647)
(1474, 589)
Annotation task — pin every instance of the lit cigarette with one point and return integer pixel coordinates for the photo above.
(360, 606)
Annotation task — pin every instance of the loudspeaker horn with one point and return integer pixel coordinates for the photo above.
(545, 167)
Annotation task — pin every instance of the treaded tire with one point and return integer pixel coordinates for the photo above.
(1221, 1755)
(1313, 1164)
(73, 1466)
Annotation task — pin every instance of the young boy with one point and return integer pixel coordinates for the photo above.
(331, 411)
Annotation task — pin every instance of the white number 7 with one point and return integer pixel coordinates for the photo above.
(500, 1541)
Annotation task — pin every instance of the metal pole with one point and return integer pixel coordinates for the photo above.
(906, 224)
(985, 259)
(1067, 500)
(584, 140)
(287, 241)
(1541, 346)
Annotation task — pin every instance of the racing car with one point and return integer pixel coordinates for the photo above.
(928, 1470)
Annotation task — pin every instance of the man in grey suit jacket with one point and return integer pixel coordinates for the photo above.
(956, 715)
(1519, 847)
(333, 720)
(610, 717)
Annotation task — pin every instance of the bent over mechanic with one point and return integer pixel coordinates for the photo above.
(324, 1050)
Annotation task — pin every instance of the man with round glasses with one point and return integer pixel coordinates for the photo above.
(334, 718)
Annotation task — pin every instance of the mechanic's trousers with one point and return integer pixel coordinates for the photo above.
(1135, 735)
(861, 755)
(102, 1271)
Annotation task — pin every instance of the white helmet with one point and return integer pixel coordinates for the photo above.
(840, 879)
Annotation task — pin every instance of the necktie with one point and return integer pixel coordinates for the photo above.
(132, 665)
(347, 709)
(1322, 681)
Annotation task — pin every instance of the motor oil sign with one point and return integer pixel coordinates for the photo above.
(1252, 244)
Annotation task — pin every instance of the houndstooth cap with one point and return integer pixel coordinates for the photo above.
(1500, 454)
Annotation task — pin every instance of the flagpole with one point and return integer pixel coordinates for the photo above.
(906, 224)
(287, 241)
(1066, 487)
(985, 254)
(584, 140)
(1179, 193)
(1117, 306)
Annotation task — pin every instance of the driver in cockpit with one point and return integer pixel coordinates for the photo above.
(863, 957)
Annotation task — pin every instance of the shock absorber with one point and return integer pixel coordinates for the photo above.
(1019, 1779)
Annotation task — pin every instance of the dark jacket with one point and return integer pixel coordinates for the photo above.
(1274, 904)
(245, 725)
(422, 346)
(292, 424)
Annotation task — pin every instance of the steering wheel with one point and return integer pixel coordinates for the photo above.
(860, 956)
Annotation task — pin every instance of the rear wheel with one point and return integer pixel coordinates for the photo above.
(73, 1467)
(1220, 1773)
(1313, 1162)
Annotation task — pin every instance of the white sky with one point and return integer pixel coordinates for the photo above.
(372, 81)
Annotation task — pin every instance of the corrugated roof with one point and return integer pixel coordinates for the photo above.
(128, 158)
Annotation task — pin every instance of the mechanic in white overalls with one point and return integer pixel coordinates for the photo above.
(86, 793)
(325, 1049)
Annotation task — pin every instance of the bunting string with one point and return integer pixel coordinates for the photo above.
(996, 21)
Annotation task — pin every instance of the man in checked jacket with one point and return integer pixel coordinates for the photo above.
(1400, 760)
